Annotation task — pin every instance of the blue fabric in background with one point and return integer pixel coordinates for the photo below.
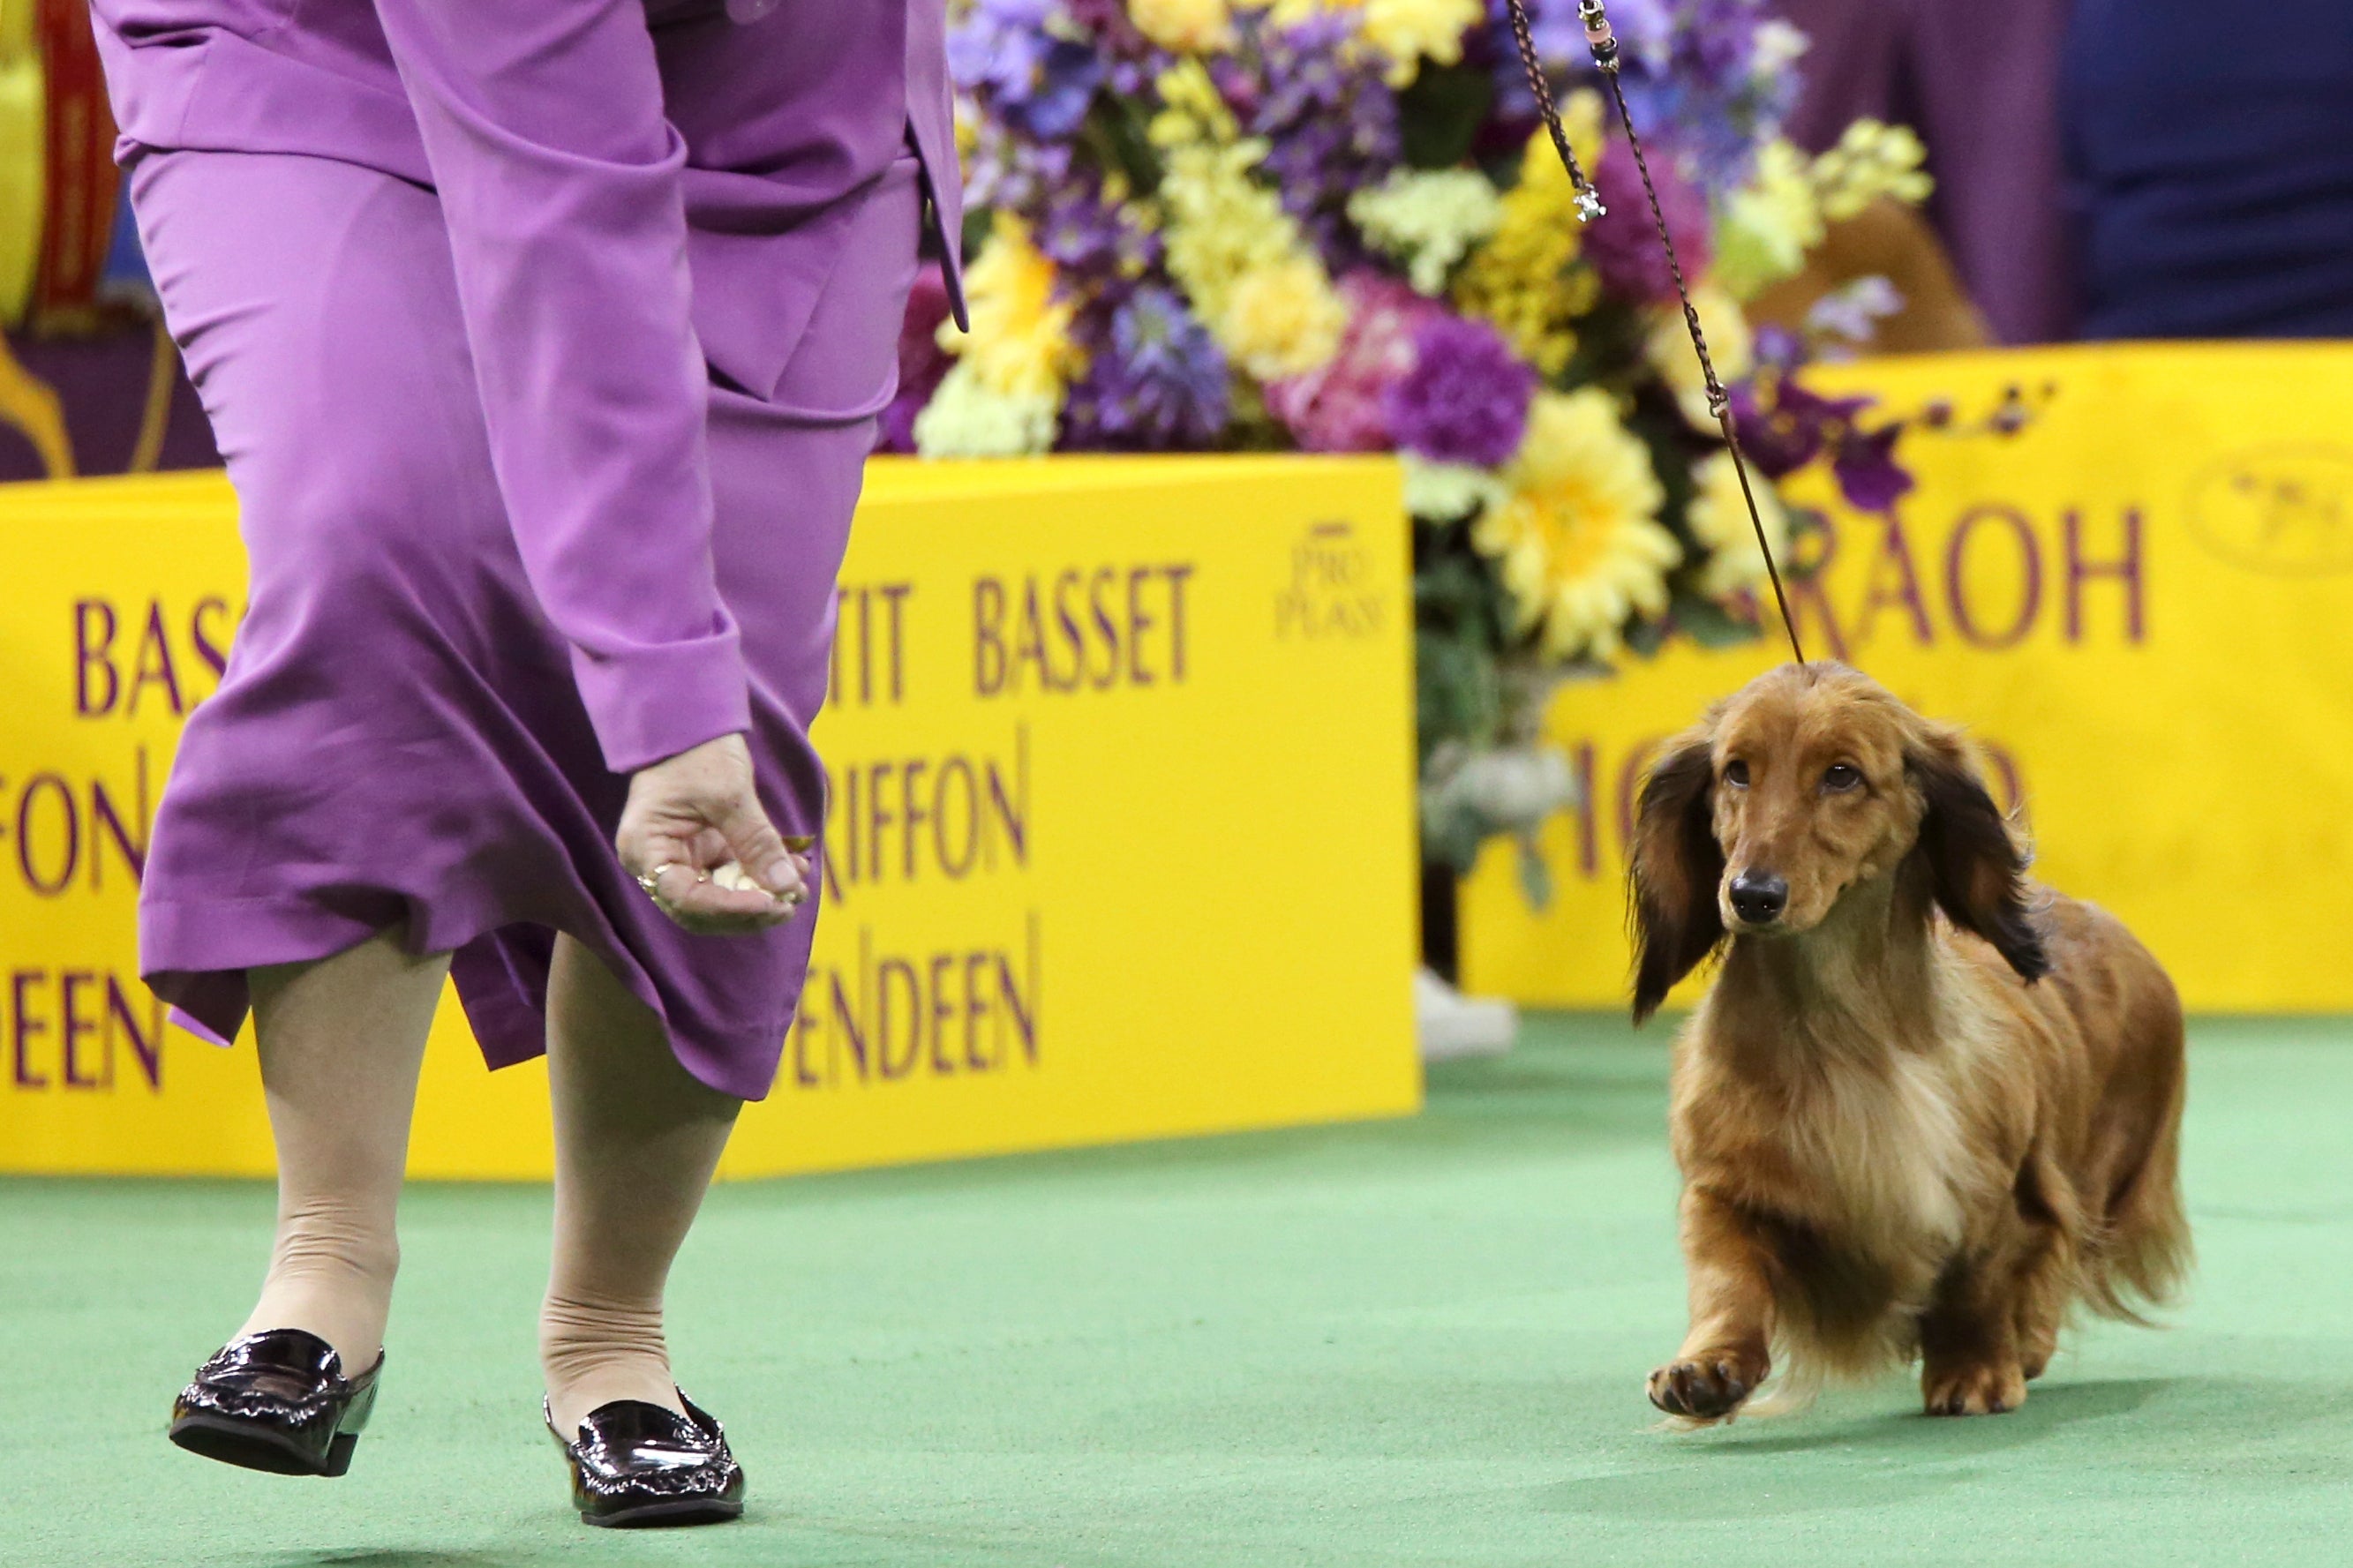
(2209, 158)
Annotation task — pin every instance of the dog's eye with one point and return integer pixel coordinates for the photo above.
(1735, 774)
(1841, 777)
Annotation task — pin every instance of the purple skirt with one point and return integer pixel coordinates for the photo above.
(397, 736)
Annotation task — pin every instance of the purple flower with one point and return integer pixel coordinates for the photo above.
(922, 363)
(1106, 24)
(1092, 241)
(1779, 349)
(1777, 442)
(1237, 86)
(1329, 119)
(1688, 68)
(1012, 55)
(1624, 248)
(1708, 42)
(1000, 44)
(1466, 399)
(1016, 172)
(1850, 315)
(1135, 60)
(1159, 382)
(1792, 430)
(1560, 39)
(1868, 474)
(1073, 73)
(1342, 407)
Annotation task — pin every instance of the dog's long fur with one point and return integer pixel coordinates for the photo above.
(1929, 1108)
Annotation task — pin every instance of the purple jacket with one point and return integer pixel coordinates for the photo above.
(1980, 83)
(591, 156)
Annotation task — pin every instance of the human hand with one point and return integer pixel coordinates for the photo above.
(693, 830)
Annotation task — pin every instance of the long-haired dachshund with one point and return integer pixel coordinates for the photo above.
(1927, 1107)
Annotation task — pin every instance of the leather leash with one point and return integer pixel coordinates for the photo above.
(1603, 42)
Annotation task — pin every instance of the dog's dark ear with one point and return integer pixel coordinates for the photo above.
(1978, 874)
(1677, 866)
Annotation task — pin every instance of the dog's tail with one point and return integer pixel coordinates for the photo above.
(2140, 1254)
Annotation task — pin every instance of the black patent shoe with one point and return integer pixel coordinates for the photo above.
(639, 1463)
(275, 1401)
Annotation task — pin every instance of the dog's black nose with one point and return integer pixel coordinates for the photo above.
(1759, 897)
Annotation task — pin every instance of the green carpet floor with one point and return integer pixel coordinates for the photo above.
(1414, 1342)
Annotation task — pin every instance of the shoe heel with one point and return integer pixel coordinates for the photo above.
(338, 1454)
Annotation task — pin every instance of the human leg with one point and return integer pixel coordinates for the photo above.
(637, 1139)
(342, 1040)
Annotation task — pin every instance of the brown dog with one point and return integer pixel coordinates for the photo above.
(1927, 1105)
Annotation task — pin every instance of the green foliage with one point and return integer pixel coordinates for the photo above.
(1460, 621)
(1709, 624)
(1450, 832)
(1119, 138)
(1535, 875)
(1440, 115)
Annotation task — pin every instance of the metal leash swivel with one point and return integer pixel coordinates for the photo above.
(1603, 41)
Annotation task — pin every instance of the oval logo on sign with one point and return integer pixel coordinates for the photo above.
(2285, 510)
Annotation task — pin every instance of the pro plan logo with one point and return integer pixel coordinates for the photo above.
(2286, 511)
(1332, 590)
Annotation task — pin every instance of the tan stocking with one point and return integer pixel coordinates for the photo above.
(342, 1040)
(637, 1139)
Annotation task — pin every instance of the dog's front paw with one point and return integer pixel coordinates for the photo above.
(1982, 1389)
(1706, 1387)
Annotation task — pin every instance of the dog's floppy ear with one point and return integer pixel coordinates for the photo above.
(1677, 866)
(1979, 874)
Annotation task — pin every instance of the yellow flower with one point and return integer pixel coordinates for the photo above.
(1183, 26)
(1426, 219)
(1020, 341)
(1443, 492)
(1402, 32)
(1769, 224)
(1730, 344)
(1526, 278)
(1578, 538)
(969, 418)
(967, 132)
(1718, 519)
(1218, 226)
(1870, 161)
(1405, 32)
(1283, 320)
(1253, 279)
(1192, 111)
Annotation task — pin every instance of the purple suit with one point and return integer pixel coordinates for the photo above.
(542, 340)
(1980, 83)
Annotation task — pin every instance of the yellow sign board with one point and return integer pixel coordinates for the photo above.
(2141, 604)
(1122, 841)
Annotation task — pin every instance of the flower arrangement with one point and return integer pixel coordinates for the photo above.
(1339, 225)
